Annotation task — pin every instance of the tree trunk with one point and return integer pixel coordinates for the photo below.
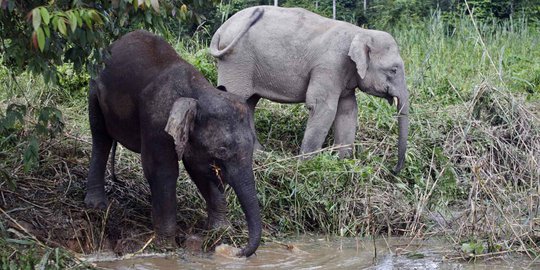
(334, 9)
(365, 6)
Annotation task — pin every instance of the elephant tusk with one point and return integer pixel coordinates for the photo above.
(396, 101)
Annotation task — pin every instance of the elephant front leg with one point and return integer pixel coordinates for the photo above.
(212, 189)
(160, 165)
(101, 145)
(322, 111)
(216, 206)
(345, 125)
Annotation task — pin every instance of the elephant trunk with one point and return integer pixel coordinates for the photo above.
(243, 183)
(403, 126)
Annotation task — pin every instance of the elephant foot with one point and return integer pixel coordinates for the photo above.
(345, 152)
(258, 146)
(96, 200)
(306, 156)
(217, 223)
(165, 242)
(194, 243)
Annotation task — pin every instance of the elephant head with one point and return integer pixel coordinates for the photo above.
(214, 133)
(381, 73)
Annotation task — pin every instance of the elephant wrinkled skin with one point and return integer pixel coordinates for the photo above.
(291, 55)
(154, 103)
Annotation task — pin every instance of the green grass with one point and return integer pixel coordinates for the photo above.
(471, 170)
(445, 61)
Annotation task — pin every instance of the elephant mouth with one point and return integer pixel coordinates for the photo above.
(391, 99)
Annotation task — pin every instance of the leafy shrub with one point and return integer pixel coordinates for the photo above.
(195, 52)
(72, 83)
(23, 127)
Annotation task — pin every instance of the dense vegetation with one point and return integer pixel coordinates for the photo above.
(472, 166)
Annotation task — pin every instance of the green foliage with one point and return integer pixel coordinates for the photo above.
(473, 248)
(78, 32)
(195, 52)
(488, 9)
(19, 124)
(311, 195)
(346, 10)
(72, 84)
(280, 126)
(435, 49)
(384, 13)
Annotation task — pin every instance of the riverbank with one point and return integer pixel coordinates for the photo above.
(471, 175)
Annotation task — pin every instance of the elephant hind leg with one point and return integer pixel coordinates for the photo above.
(101, 146)
(252, 103)
(345, 125)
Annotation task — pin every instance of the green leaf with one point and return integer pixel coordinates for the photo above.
(45, 15)
(54, 21)
(85, 15)
(20, 241)
(79, 18)
(44, 259)
(72, 21)
(31, 157)
(473, 247)
(36, 18)
(148, 17)
(41, 39)
(47, 31)
(95, 16)
(62, 26)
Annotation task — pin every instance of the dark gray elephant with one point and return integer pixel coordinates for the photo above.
(291, 55)
(154, 103)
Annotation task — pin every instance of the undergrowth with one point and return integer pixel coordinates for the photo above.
(471, 173)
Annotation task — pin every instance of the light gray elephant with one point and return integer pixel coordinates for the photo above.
(292, 55)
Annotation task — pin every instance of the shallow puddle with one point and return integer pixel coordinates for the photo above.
(319, 253)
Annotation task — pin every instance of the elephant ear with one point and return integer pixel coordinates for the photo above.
(180, 122)
(359, 53)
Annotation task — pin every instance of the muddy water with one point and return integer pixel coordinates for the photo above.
(318, 253)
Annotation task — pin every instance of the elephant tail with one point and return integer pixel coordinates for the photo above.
(113, 155)
(214, 45)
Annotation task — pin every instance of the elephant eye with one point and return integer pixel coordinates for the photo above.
(393, 70)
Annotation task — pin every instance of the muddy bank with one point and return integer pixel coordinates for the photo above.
(48, 204)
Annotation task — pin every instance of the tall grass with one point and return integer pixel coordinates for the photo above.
(445, 61)
(471, 174)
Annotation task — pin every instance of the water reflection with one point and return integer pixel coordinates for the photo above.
(318, 253)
